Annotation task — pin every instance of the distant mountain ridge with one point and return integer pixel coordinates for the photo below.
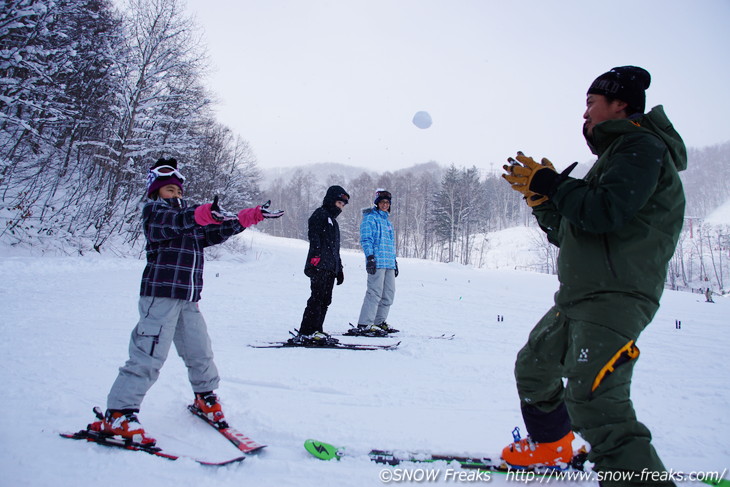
(323, 170)
(320, 170)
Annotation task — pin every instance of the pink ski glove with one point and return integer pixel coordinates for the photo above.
(203, 215)
(250, 216)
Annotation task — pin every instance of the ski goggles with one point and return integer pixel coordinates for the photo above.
(165, 171)
(342, 197)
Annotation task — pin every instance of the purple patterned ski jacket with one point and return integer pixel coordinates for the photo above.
(174, 248)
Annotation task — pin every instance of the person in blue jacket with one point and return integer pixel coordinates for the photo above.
(377, 239)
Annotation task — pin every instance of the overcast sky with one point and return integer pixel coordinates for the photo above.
(306, 81)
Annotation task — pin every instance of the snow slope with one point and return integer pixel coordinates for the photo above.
(65, 325)
(720, 216)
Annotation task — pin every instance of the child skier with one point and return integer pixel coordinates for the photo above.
(377, 239)
(323, 267)
(172, 281)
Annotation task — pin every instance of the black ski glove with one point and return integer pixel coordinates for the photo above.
(396, 268)
(370, 265)
(340, 277)
(267, 212)
(219, 214)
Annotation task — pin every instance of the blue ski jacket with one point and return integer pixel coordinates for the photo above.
(378, 238)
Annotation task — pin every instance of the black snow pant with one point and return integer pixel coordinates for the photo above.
(322, 283)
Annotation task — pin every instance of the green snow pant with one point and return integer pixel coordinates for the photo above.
(598, 363)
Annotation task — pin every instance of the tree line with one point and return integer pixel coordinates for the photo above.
(438, 212)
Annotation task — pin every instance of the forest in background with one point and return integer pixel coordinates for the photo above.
(90, 96)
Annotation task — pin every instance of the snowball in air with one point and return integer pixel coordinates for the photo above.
(422, 120)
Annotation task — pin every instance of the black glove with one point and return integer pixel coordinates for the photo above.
(396, 268)
(267, 212)
(219, 214)
(370, 265)
(340, 277)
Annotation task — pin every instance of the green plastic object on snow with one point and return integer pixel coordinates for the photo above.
(323, 451)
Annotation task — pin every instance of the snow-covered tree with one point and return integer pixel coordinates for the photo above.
(56, 61)
(160, 103)
(224, 165)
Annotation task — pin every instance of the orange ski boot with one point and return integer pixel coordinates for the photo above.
(523, 453)
(207, 403)
(124, 424)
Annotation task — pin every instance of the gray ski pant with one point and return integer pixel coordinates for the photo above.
(162, 322)
(378, 298)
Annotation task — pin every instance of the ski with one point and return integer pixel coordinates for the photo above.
(327, 451)
(117, 442)
(337, 346)
(720, 482)
(241, 441)
(443, 336)
(354, 331)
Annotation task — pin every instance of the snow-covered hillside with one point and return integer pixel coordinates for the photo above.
(65, 325)
(721, 215)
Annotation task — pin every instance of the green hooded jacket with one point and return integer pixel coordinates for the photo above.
(617, 228)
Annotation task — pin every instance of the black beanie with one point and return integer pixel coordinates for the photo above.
(625, 83)
(156, 181)
(380, 195)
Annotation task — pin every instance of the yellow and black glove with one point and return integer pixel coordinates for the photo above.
(535, 199)
(529, 177)
(522, 172)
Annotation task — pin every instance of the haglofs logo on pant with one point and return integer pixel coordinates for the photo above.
(583, 357)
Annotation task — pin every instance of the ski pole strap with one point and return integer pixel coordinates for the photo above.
(626, 354)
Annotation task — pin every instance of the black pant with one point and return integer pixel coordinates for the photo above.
(321, 284)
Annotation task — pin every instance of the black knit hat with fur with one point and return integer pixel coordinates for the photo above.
(625, 83)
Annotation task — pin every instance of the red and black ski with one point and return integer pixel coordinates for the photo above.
(117, 442)
(241, 441)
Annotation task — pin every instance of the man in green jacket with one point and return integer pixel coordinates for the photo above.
(617, 229)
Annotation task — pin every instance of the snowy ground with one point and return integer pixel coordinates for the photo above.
(66, 321)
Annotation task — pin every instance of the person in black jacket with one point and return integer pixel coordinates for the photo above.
(323, 266)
